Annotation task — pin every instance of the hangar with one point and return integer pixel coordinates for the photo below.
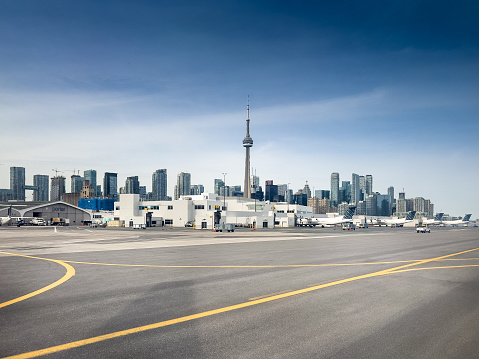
(46, 210)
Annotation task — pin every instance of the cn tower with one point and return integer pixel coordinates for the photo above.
(247, 143)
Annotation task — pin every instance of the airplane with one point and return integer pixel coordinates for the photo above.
(400, 221)
(465, 220)
(347, 218)
(5, 221)
(435, 220)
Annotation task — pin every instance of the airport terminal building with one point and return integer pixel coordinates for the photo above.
(201, 211)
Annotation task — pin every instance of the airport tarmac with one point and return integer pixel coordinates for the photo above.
(78, 292)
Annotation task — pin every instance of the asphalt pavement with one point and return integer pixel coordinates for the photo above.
(284, 293)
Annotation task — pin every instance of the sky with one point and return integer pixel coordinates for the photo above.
(388, 89)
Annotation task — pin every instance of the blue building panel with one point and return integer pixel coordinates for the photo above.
(96, 204)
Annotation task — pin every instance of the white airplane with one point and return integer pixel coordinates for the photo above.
(456, 222)
(435, 220)
(347, 218)
(5, 221)
(400, 221)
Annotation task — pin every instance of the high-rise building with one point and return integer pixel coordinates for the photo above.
(391, 192)
(401, 205)
(159, 181)
(183, 184)
(110, 185)
(196, 189)
(219, 184)
(323, 205)
(334, 189)
(247, 144)
(271, 192)
(143, 194)
(6, 195)
(346, 188)
(362, 188)
(57, 189)
(87, 191)
(355, 188)
(361, 208)
(90, 175)
(419, 204)
(76, 184)
(384, 204)
(371, 205)
(323, 193)
(17, 183)
(369, 184)
(42, 183)
(132, 185)
(307, 190)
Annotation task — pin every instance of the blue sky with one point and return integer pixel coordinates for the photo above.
(388, 89)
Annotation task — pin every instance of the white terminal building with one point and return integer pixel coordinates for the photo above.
(200, 210)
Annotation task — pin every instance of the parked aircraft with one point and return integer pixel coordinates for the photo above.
(347, 218)
(456, 222)
(435, 220)
(4, 221)
(400, 221)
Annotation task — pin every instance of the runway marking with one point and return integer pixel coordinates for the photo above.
(70, 273)
(257, 266)
(100, 338)
(445, 267)
(240, 266)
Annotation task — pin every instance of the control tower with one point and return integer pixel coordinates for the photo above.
(247, 143)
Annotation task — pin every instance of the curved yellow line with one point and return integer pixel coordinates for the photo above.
(70, 273)
(100, 338)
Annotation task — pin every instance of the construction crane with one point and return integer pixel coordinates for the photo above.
(56, 172)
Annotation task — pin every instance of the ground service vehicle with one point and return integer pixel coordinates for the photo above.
(423, 230)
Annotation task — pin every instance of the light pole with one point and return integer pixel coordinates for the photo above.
(287, 195)
(224, 190)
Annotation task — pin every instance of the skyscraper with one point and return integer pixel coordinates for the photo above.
(247, 143)
(76, 184)
(219, 184)
(334, 189)
(355, 188)
(58, 188)
(90, 175)
(41, 193)
(307, 190)
(369, 184)
(159, 184)
(391, 192)
(110, 185)
(17, 183)
(362, 188)
(132, 185)
(197, 189)
(183, 184)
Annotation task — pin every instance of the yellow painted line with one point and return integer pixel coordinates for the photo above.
(240, 266)
(445, 267)
(70, 273)
(79, 343)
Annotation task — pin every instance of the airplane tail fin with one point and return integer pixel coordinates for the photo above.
(410, 216)
(350, 213)
(467, 217)
(438, 216)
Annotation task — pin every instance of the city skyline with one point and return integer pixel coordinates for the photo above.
(388, 91)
